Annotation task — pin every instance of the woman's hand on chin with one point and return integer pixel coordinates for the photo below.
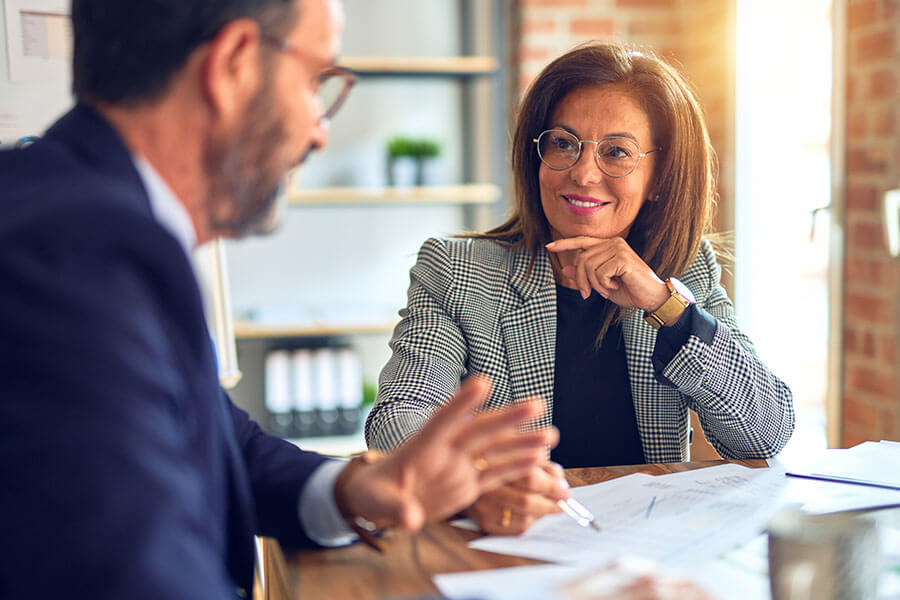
(612, 268)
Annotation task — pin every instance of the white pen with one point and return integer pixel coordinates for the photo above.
(579, 512)
(575, 509)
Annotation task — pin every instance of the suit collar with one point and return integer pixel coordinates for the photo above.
(99, 146)
(168, 210)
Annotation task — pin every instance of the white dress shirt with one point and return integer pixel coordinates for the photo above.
(319, 515)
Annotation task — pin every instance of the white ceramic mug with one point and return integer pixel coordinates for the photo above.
(823, 557)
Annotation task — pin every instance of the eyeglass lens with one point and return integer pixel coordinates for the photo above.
(332, 92)
(616, 156)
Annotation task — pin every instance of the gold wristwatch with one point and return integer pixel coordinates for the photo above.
(680, 297)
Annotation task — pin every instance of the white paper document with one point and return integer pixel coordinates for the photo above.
(818, 497)
(554, 582)
(38, 39)
(677, 519)
(746, 568)
(869, 463)
(537, 582)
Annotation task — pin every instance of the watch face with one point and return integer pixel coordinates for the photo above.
(682, 290)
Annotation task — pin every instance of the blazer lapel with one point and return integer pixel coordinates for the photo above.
(528, 324)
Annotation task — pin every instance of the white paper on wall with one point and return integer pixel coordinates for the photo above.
(39, 39)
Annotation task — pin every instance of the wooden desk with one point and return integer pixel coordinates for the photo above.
(405, 571)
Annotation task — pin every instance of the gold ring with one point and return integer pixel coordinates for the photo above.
(480, 464)
(507, 517)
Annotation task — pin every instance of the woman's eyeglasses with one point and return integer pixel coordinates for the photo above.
(617, 156)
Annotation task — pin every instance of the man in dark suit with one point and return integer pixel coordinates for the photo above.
(126, 471)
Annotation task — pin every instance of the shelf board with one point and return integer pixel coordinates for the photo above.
(421, 65)
(475, 193)
(250, 330)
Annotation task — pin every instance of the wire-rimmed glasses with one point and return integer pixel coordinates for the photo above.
(616, 155)
(334, 82)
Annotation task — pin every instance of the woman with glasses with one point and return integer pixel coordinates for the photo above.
(599, 294)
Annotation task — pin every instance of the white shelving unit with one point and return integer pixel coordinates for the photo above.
(469, 84)
(251, 330)
(460, 66)
(472, 193)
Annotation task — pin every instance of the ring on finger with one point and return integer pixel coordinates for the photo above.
(506, 517)
(480, 463)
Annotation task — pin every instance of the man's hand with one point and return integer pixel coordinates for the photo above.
(512, 508)
(458, 456)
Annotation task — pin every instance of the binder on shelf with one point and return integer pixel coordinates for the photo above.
(311, 392)
(349, 390)
(325, 367)
(304, 404)
(277, 395)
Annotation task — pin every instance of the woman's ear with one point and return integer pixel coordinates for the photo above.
(654, 189)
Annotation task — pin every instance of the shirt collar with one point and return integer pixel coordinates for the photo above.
(169, 212)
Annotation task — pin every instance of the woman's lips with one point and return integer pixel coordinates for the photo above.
(583, 205)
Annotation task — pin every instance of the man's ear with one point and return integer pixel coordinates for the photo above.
(232, 69)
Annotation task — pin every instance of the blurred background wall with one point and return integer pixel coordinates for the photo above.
(827, 72)
(701, 36)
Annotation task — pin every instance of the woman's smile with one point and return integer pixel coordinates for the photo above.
(583, 205)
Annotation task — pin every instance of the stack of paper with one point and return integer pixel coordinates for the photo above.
(874, 464)
(682, 520)
(677, 519)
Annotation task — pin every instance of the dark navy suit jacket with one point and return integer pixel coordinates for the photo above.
(125, 470)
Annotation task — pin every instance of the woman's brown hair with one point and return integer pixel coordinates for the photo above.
(669, 229)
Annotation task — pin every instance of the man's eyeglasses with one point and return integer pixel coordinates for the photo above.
(334, 82)
(617, 156)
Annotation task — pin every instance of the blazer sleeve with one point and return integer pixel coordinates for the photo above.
(428, 353)
(745, 410)
(278, 471)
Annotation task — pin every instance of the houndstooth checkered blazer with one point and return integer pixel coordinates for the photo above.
(473, 309)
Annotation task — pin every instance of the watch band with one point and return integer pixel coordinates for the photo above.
(362, 527)
(672, 308)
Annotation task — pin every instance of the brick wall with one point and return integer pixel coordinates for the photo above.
(695, 35)
(871, 398)
(550, 27)
(699, 36)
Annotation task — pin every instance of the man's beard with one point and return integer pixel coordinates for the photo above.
(248, 189)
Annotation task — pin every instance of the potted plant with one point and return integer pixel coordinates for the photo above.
(424, 150)
(406, 159)
(400, 163)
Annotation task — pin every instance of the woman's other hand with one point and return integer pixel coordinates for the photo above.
(612, 268)
(457, 457)
(512, 508)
